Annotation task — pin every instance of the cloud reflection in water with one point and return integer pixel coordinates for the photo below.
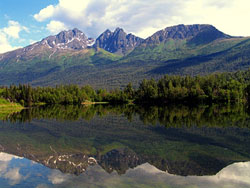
(235, 175)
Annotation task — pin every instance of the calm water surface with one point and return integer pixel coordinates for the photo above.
(126, 146)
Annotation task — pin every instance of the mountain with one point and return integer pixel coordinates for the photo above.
(196, 34)
(65, 40)
(116, 58)
(117, 42)
(51, 55)
(183, 41)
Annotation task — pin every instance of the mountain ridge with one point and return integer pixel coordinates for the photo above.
(116, 58)
(181, 32)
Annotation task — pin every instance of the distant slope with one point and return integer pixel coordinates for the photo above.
(43, 68)
(236, 56)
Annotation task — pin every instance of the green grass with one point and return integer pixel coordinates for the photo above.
(4, 101)
(6, 104)
(7, 108)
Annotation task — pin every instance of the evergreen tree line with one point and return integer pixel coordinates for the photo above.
(219, 88)
(215, 88)
(64, 94)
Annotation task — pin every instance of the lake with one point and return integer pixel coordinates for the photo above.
(126, 146)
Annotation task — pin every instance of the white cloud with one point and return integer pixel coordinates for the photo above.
(32, 41)
(56, 177)
(94, 16)
(11, 32)
(56, 26)
(44, 13)
(3, 167)
(8, 157)
(13, 29)
(144, 17)
(236, 172)
(4, 44)
(229, 16)
(13, 176)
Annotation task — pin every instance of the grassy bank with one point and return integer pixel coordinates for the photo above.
(7, 108)
(90, 102)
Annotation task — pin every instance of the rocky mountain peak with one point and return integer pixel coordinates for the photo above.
(71, 39)
(118, 42)
(197, 33)
(119, 30)
(75, 30)
(107, 31)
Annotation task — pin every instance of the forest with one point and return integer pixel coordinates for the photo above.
(215, 88)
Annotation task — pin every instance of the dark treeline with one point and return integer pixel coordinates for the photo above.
(215, 88)
(68, 94)
(206, 89)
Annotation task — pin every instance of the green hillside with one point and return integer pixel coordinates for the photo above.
(44, 65)
(179, 49)
(235, 56)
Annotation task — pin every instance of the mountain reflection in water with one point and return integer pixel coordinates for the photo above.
(20, 172)
(126, 145)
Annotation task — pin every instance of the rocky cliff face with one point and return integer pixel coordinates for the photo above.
(117, 42)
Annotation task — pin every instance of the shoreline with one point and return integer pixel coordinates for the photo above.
(89, 103)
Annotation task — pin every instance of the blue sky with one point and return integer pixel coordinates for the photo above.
(23, 22)
(21, 12)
